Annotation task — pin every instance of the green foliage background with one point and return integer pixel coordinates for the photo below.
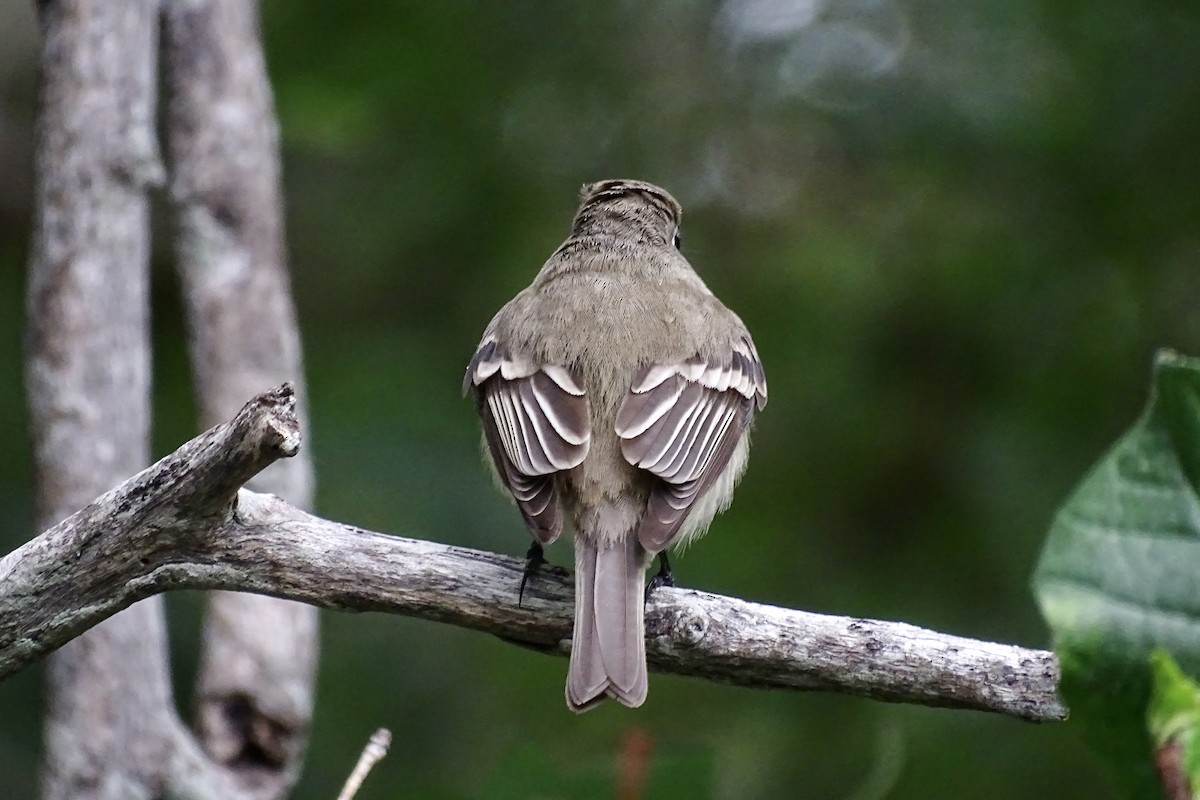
(957, 231)
(1117, 581)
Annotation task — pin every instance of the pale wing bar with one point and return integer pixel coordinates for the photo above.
(536, 423)
(543, 428)
(682, 423)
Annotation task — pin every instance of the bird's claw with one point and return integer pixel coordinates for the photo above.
(661, 578)
(534, 558)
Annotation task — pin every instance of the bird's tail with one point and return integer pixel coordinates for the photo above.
(608, 647)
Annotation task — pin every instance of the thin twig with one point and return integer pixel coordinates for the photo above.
(376, 749)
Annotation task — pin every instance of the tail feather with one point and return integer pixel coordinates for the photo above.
(586, 678)
(608, 647)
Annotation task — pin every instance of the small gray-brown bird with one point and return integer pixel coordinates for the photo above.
(616, 390)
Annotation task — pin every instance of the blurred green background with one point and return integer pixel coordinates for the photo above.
(958, 231)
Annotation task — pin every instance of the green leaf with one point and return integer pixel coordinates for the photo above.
(1174, 700)
(1174, 711)
(1120, 573)
(1174, 714)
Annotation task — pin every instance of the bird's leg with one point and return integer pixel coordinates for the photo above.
(661, 578)
(534, 559)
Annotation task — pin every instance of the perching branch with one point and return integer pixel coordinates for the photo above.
(174, 526)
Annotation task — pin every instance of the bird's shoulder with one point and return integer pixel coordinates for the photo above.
(641, 309)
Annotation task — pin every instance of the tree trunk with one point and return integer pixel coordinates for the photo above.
(112, 727)
(108, 693)
(255, 684)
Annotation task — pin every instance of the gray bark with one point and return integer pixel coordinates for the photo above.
(88, 372)
(179, 525)
(112, 730)
(255, 683)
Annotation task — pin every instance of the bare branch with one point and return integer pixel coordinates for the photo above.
(255, 682)
(57, 580)
(375, 750)
(265, 546)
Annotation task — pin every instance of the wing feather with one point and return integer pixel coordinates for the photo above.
(536, 423)
(641, 410)
(561, 407)
(682, 423)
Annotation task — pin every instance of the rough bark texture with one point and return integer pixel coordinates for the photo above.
(162, 533)
(88, 371)
(255, 684)
(112, 730)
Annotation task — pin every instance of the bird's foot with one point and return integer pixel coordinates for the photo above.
(534, 558)
(661, 578)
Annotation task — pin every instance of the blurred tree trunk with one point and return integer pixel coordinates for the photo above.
(112, 730)
(109, 704)
(254, 693)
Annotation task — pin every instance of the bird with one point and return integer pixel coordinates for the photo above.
(617, 392)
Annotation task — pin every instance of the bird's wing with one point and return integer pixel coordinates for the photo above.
(536, 422)
(682, 422)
